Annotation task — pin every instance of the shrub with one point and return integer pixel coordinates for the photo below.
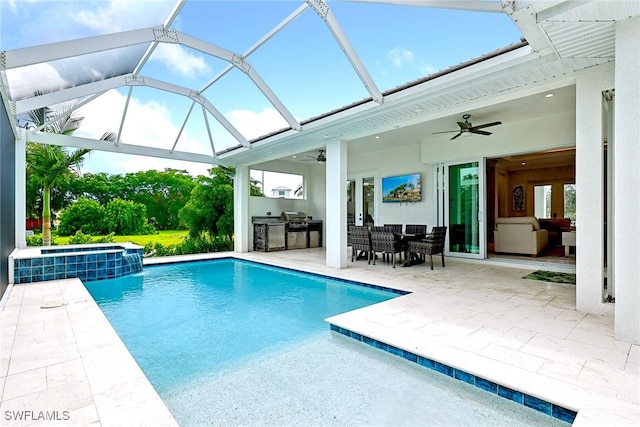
(80, 238)
(202, 243)
(83, 215)
(36, 240)
(205, 242)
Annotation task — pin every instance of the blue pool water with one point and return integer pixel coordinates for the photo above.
(183, 320)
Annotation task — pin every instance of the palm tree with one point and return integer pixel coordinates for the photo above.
(52, 165)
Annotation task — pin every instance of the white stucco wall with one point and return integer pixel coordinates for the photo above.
(398, 161)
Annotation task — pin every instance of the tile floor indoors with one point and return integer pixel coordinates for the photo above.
(61, 359)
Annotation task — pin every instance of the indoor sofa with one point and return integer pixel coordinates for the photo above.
(519, 235)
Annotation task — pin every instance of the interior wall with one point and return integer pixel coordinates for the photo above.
(557, 177)
(7, 197)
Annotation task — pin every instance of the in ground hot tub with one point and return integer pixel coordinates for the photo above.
(86, 262)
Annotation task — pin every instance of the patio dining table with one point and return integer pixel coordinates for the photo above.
(404, 239)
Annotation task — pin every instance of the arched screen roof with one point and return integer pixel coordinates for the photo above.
(218, 74)
(199, 79)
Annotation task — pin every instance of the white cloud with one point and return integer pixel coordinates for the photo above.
(180, 61)
(253, 124)
(399, 56)
(117, 15)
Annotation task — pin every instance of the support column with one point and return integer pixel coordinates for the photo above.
(590, 192)
(241, 221)
(336, 202)
(626, 179)
(21, 190)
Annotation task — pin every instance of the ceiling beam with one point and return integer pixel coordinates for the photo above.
(127, 80)
(325, 13)
(99, 145)
(468, 5)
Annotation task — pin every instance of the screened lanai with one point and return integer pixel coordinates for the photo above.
(248, 83)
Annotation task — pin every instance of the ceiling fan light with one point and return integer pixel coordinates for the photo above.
(466, 134)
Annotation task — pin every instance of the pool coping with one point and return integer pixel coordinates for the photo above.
(70, 357)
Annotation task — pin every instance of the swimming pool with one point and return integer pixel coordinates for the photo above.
(229, 342)
(182, 320)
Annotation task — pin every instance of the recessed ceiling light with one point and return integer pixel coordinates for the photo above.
(377, 136)
(523, 163)
(293, 157)
(549, 95)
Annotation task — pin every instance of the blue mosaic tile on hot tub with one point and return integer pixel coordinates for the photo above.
(532, 402)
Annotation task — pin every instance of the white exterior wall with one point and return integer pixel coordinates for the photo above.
(627, 179)
(398, 161)
(590, 192)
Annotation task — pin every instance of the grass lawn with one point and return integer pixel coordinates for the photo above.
(166, 237)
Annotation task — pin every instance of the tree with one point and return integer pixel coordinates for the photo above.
(210, 207)
(50, 165)
(125, 217)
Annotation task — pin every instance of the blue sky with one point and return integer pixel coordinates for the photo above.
(302, 64)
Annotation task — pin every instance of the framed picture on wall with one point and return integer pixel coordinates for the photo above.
(518, 197)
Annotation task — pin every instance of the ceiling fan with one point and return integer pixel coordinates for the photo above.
(320, 158)
(466, 128)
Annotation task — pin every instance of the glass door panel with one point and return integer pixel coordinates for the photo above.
(351, 202)
(368, 200)
(464, 211)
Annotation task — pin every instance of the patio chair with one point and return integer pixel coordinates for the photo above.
(377, 228)
(416, 229)
(394, 228)
(387, 243)
(360, 241)
(433, 244)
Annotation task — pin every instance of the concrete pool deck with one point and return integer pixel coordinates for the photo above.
(478, 317)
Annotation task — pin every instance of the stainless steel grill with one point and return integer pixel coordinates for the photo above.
(295, 218)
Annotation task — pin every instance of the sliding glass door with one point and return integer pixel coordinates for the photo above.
(464, 209)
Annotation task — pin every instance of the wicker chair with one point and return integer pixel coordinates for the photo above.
(433, 244)
(394, 228)
(360, 239)
(416, 229)
(377, 228)
(387, 243)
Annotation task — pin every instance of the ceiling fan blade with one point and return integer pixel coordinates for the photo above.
(481, 132)
(463, 125)
(446, 131)
(486, 125)
(457, 135)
